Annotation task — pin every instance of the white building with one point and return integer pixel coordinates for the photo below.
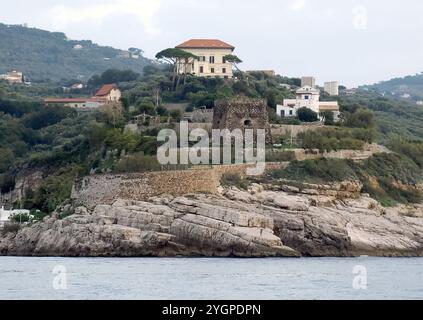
(5, 215)
(13, 77)
(332, 88)
(77, 86)
(308, 82)
(285, 86)
(77, 103)
(307, 97)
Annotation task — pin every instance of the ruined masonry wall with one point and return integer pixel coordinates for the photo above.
(105, 189)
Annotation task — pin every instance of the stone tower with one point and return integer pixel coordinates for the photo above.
(242, 113)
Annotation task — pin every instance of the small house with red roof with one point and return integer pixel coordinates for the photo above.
(211, 62)
(109, 93)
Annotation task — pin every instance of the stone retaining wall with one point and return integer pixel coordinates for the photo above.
(283, 129)
(105, 189)
(368, 151)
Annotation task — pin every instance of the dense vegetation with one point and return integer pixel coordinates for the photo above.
(50, 56)
(412, 85)
(64, 144)
(391, 115)
(337, 138)
(383, 176)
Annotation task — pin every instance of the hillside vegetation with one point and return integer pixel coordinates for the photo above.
(412, 85)
(51, 56)
(392, 116)
(383, 176)
(65, 144)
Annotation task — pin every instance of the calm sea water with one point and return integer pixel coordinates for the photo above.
(180, 278)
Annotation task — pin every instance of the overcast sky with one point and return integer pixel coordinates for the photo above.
(355, 42)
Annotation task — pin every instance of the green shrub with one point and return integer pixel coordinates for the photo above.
(328, 139)
(328, 118)
(413, 150)
(7, 158)
(137, 163)
(53, 191)
(280, 156)
(317, 171)
(233, 180)
(176, 115)
(307, 115)
(7, 182)
(38, 215)
(21, 218)
(362, 118)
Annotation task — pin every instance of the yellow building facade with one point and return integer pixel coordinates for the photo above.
(211, 62)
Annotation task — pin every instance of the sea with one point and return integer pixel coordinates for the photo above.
(210, 278)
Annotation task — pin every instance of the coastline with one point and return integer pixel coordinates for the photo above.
(253, 223)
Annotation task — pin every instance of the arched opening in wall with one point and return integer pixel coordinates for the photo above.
(247, 123)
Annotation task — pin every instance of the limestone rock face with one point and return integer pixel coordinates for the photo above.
(188, 227)
(265, 221)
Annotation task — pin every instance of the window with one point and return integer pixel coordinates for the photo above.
(211, 59)
(223, 70)
(223, 60)
(203, 58)
(290, 112)
(211, 70)
(306, 97)
(201, 69)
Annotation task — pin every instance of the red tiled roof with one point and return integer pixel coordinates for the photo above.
(205, 43)
(105, 90)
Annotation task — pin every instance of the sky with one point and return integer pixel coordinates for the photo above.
(354, 42)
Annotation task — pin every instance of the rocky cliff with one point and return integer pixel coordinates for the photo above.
(266, 220)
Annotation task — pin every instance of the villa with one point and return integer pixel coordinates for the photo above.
(307, 97)
(211, 62)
